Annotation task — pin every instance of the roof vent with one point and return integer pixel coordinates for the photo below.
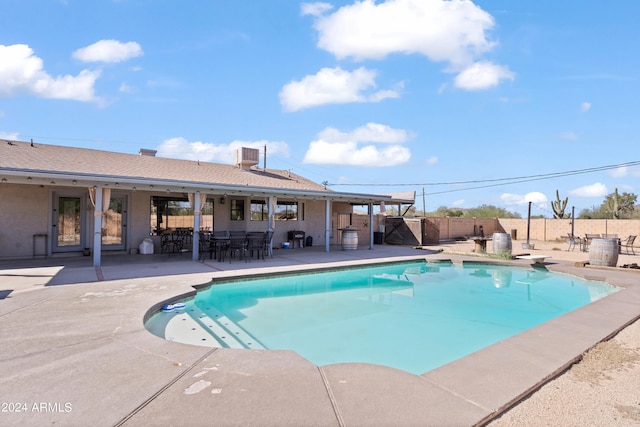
(147, 152)
(247, 157)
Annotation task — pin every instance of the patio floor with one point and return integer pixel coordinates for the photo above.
(74, 350)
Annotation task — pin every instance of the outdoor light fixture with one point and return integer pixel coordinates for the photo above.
(74, 182)
(133, 188)
(29, 178)
(4, 179)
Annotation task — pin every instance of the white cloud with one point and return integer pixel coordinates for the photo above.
(344, 148)
(22, 72)
(180, 148)
(452, 31)
(594, 190)
(332, 86)
(482, 75)
(13, 136)
(108, 51)
(623, 171)
(431, 161)
(315, 9)
(371, 132)
(568, 135)
(125, 88)
(585, 106)
(349, 154)
(458, 203)
(534, 197)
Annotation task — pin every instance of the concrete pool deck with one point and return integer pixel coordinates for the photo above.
(74, 350)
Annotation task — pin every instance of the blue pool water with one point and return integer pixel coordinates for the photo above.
(413, 316)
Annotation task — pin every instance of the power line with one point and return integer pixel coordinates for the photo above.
(501, 181)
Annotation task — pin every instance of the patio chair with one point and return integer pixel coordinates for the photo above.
(573, 242)
(170, 244)
(255, 244)
(205, 246)
(237, 245)
(628, 245)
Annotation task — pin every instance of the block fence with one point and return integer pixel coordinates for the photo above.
(543, 229)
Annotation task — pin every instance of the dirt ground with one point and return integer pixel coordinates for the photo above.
(603, 389)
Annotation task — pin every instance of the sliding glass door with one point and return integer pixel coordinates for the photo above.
(68, 223)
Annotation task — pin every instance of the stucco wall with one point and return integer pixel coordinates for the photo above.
(546, 229)
(23, 213)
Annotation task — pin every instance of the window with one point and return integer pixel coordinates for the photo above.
(237, 210)
(259, 211)
(286, 211)
(168, 213)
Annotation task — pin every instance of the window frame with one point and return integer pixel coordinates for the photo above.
(289, 214)
(164, 204)
(236, 210)
(261, 214)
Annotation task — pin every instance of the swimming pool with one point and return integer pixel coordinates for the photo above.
(413, 316)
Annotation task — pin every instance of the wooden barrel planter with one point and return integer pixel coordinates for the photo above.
(501, 243)
(349, 239)
(603, 252)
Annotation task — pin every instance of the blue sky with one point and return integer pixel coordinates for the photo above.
(449, 98)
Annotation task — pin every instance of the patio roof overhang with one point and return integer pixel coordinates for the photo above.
(65, 180)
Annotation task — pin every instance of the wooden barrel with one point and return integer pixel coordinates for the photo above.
(501, 243)
(349, 240)
(603, 252)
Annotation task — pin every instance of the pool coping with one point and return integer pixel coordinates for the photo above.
(68, 359)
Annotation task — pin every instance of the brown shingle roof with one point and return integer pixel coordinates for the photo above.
(54, 159)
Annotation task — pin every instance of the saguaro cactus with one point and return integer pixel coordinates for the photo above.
(559, 206)
(616, 209)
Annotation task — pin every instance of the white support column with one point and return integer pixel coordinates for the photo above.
(370, 225)
(327, 224)
(271, 206)
(197, 215)
(97, 228)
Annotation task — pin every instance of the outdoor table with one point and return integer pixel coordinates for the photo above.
(480, 244)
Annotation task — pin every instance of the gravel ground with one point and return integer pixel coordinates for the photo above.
(603, 389)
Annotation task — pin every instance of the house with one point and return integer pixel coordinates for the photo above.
(57, 199)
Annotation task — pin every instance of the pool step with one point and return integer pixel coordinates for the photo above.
(223, 329)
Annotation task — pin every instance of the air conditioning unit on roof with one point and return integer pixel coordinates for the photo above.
(247, 157)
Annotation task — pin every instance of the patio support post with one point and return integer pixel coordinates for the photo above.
(97, 228)
(197, 214)
(370, 225)
(271, 206)
(327, 224)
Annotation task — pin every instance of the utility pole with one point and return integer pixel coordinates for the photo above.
(424, 204)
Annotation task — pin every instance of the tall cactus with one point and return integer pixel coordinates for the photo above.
(616, 209)
(559, 206)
